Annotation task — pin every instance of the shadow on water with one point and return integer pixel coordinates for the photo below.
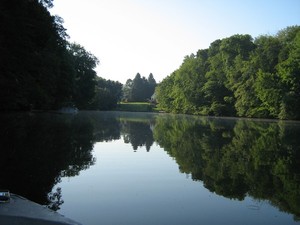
(233, 158)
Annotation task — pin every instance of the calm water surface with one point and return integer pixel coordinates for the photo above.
(139, 168)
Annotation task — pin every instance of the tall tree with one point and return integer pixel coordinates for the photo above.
(85, 75)
(32, 52)
(127, 90)
(288, 71)
(39, 68)
(139, 89)
(151, 84)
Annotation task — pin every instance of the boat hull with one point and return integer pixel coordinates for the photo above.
(21, 211)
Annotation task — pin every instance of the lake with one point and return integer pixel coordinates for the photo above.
(143, 168)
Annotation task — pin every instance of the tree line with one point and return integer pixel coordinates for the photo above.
(40, 69)
(238, 76)
(139, 89)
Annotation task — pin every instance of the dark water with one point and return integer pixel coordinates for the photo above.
(126, 168)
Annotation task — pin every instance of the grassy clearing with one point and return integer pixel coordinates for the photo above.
(135, 107)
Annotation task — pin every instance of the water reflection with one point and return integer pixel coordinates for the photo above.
(55, 199)
(138, 133)
(236, 158)
(38, 149)
(233, 158)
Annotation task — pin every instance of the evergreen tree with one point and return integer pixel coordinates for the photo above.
(151, 84)
(141, 89)
(127, 90)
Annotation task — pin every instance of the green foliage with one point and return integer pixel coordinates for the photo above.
(108, 94)
(139, 89)
(84, 64)
(127, 88)
(237, 76)
(39, 68)
(163, 93)
(31, 55)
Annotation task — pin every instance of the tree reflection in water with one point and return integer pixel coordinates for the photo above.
(55, 199)
(37, 149)
(234, 158)
(138, 133)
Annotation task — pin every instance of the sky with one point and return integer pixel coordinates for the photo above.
(154, 36)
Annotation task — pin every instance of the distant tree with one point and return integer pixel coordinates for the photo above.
(139, 89)
(151, 85)
(108, 94)
(127, 90)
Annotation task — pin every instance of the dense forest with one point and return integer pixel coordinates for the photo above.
(238, 76)
(40, 69)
